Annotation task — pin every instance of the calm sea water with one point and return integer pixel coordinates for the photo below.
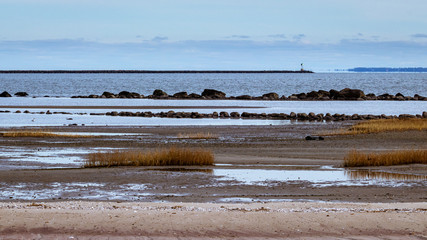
(66, 85)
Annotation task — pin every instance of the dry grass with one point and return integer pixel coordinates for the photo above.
(385, 125)
(166, 157)
(40, 134)
(200, 135)
(358, 159)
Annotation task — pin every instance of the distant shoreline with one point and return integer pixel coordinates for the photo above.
(154, 71)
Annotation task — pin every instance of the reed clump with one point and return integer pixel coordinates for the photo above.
(386, 125)
(358, 159)
(160, 157)
(199, 135)
(39, 134)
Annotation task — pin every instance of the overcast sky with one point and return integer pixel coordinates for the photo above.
(204, 34)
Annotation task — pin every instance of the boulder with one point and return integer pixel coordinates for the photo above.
(21, 94)
(5, 94)
(244, 97)
(424, 114)
(159, 94)
(180, 95)
(213, 94)
(293, 97)
(194, 95)
(323, 93)
(310, 138)
(237, 115)
(107, 95)
(224, 115)
(352, 94)
(313, 95)
(334, 94)
(385, 96)
(270, 96)
(125, 94)
(301, 96)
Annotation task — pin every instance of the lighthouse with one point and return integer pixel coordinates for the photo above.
(302, 67)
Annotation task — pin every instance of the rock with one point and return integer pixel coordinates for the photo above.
(244, 97)
(224, 115)
(323, 93)
(310, 138)
(234, 115)
(293, 97)
(270, 96)
(5, 94)
(385, 96)
(424, 114)
(107, 95)
(334, 94)
(21, 94)
(180, 95)
(245, 115)
(194, 95)
(352, 94)
(302, 116)
(293, 115)
(371, 96)
(313, 95)
(160, 94)
(213, 94)
(301, 96)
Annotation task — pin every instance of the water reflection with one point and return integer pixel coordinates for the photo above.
(370, 175)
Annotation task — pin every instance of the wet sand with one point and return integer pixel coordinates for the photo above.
(259, 147)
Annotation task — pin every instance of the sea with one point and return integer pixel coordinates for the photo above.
(55, 90)
(233, 84)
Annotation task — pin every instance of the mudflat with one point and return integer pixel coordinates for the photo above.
(160, 201)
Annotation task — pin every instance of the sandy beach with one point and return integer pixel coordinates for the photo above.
(174, 203)
(112, 220)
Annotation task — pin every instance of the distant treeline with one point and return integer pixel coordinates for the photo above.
(386, 69)
(153, 71)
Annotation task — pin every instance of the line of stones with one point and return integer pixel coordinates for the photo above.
(245, 115)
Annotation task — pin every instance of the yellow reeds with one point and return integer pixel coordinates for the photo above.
(40, 134)
(166, 157)
(385, 125)
(199, 135)
(357, 159)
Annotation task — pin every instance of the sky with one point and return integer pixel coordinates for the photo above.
(212, 34)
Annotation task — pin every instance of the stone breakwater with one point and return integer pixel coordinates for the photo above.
(209, 94)
(320, 117)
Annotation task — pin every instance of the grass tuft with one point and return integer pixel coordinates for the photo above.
(165, 157)
(40, 134)
(358, 159)
(385, 125)
(200, 135)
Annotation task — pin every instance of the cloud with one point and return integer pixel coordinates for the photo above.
(282, 36)
(419, 35)
(298, 37)
(208, 54)
(159, 38)
(240, 36)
